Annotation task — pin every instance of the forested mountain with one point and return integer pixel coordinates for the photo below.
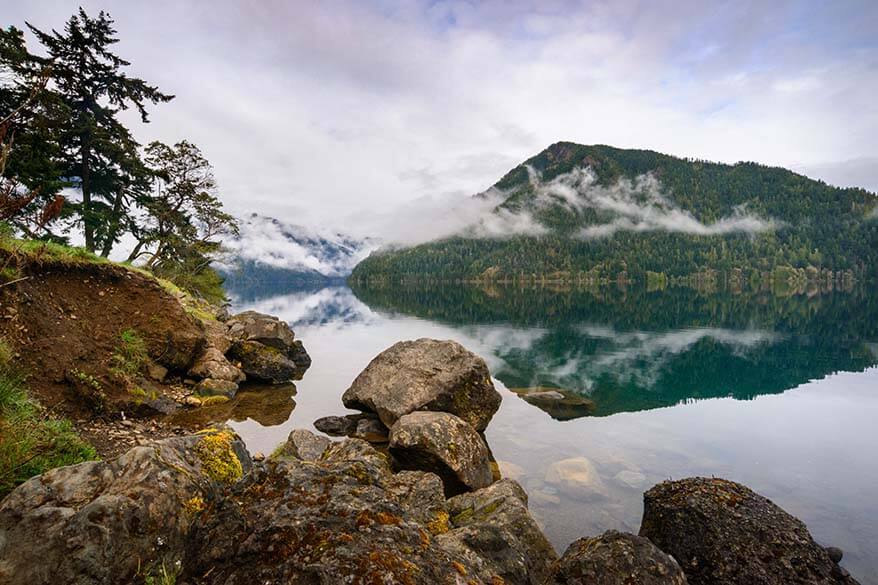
(596, 213)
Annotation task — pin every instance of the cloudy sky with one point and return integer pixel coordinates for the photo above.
(335, 112)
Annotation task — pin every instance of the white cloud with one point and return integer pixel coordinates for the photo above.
(334, 110)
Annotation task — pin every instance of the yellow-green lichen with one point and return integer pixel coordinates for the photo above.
(211, 400)
(217, 456)
(439, 523)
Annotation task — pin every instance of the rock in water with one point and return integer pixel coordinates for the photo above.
(445, 445)
(304, 445)
(425, 375)
(577, 477)
(723, 533)
(114, 521)
(616, 558)
(264, 362)
(493, 530)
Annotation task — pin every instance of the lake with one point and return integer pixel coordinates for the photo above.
(777, 392)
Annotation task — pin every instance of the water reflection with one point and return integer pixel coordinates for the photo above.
(780, 393)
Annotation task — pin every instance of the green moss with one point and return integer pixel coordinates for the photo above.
(212, 400)
(218, 459)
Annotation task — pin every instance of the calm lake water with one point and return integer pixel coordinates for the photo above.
(778, 393)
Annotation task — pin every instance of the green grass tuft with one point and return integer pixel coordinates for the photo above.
(31, 442)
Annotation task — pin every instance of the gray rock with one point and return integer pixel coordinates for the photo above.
(304, 445)
(444, 444)
(346, 519)
(213, 364)
(337, 426)
(265, 329)
(364, 425)
(835, 554)
(425, 375)
(114, 521)
(723, 533)
(217, 334)
(493, 530)
(211, 387)
(264, 363)
(616, 558)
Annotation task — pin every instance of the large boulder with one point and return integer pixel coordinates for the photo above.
(444, 444)
(723, 533)
(493, 530)
(265, 329)
(264, 363)
(425, 375)
(115, 521)
(345, 518)
(616, 558)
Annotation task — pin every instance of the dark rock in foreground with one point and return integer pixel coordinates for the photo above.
(347, 518)
(115, 521)
(425, 375)
(723, 533)
(616, 558)
(443, 444)
(494, 531)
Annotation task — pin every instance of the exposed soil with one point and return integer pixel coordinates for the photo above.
(64, 323)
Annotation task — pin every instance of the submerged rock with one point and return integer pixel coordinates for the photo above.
(444, 444)
(113, 521)
(557, 403)
(577, 477)
(425, 375)
(493, 530)
(616, 558)
(723, 533)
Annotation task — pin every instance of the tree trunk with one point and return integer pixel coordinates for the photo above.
(85, 177)
(113, 231)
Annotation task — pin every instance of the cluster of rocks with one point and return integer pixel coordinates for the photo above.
(427, 510)
(247, 346)
(429, 400)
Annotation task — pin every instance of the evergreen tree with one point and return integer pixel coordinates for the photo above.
(96, 148)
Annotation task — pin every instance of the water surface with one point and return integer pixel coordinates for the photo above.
(779, 393)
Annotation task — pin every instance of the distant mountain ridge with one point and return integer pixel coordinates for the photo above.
(271, 255)
(598, 212)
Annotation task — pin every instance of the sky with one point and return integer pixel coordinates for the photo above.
(337, 113)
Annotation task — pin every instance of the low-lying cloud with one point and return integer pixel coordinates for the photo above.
(637, 205)
(280, 245)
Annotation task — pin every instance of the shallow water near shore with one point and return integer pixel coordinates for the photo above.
(778, 393)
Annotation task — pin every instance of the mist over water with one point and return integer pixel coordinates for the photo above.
(779, 393)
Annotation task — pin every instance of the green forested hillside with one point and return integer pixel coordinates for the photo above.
(602, 211)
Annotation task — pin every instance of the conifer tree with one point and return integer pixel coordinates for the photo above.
(97, 150)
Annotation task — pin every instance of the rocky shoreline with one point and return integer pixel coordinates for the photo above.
(422, 503)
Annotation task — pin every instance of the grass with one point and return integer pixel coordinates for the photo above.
(31, 442)
(130, 356)
(163, 576)
(38, 250)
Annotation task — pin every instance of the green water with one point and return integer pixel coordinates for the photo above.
(778, 392)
